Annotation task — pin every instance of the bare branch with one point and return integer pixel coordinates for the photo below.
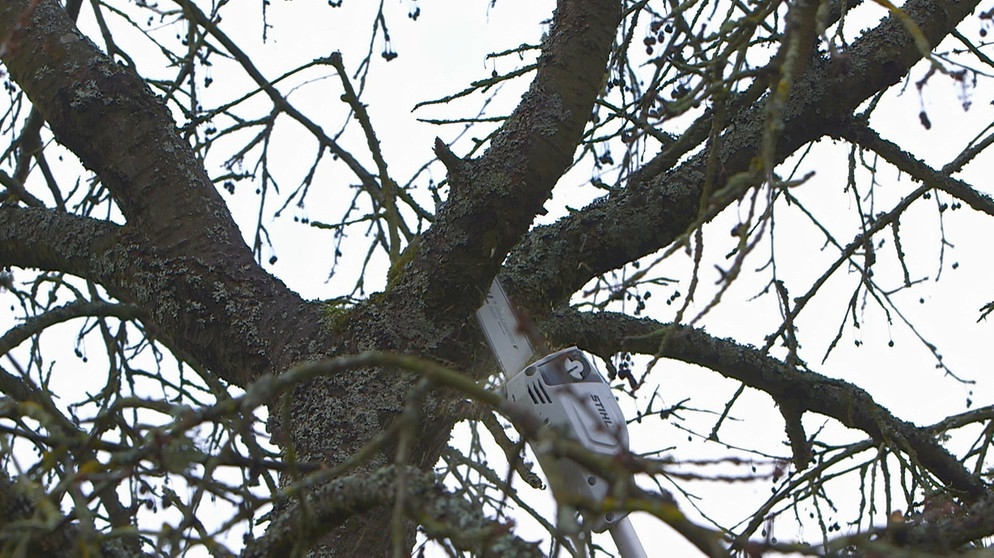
(26, 510)
(106, 115)
(36, 325)
(442, 514)
(496, 197)
(607, 333)
(651, 212)
(861, 134)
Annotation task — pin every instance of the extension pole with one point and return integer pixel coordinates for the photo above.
(626, 539)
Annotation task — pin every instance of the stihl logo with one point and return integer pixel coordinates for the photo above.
(601, 410)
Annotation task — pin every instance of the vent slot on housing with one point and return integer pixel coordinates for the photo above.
(538, 394)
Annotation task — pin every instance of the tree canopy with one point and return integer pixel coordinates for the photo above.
(239, 293)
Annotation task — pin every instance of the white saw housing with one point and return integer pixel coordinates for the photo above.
(566, 392)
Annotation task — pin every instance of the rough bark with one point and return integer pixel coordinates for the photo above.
(179, 257)
(803, 391)
(429, 310)
(180, 260)
(19, 503)
(657, 207)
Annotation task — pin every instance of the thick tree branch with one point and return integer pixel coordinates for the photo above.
(235, 329)
(943, 528)
(655, 210)
(862, 135)
(494, 199)
(55, 241)
(182, 264)
(180, 243)
(111, 120)
(607, 333)
(951, 526)
(24, 527)
(442, 514)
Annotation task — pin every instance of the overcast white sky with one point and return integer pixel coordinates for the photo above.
(446, 48)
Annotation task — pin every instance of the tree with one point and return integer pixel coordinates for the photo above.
(710, 108)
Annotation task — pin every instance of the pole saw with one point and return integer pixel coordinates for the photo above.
(565, 391)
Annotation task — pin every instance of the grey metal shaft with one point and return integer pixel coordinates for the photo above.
(627, 541)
